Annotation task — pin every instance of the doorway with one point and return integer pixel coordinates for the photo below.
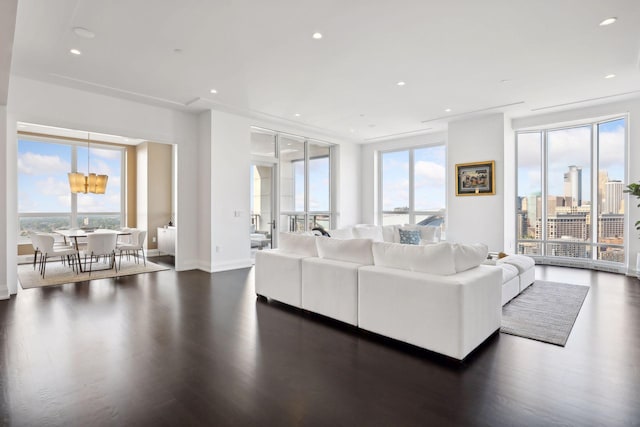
(262, 207)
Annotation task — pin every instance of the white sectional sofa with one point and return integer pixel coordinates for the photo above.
(437, 296)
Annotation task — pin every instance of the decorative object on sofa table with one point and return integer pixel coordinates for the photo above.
(476, 179)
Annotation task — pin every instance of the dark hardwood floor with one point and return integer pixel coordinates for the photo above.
(192, 348)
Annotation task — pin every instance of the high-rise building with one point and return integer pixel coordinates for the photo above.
(613, 197)
(603, 178)
(573, 185)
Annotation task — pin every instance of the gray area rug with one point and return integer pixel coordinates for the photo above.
(58, 274)
(545, 311)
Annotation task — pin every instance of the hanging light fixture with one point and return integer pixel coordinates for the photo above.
(90, 183)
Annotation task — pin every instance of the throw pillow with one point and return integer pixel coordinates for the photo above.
(409, 237)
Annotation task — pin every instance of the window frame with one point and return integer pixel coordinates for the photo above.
(594, 166)
(411, 212)
(74, 214)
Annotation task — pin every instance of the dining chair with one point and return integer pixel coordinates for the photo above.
(137, 245)
(100, 244)
(45, 245)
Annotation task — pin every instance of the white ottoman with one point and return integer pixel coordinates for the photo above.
(525, 266)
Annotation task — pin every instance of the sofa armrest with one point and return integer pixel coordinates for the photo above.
(278, 275)
(451, 315)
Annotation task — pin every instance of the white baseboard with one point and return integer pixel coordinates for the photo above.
(231, 265)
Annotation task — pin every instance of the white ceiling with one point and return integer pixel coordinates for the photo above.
(261, 58)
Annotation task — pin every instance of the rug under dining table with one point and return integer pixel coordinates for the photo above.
(58, 274)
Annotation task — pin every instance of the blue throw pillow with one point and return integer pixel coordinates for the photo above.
(409, 237)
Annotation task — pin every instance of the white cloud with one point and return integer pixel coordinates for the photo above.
(37, 164)
(52, 187)
(429, 174)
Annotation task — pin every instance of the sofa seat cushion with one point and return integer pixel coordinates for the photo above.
(508, 272)
(299, 244)
(521, 262)
(434, 259)
(357, 251)
(468, 256)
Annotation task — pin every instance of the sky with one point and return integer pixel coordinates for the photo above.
(43, 185)
(568, 147)
(430, 179)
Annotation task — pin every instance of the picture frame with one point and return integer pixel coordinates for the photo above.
(476, 179)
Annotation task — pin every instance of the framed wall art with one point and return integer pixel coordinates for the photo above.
(476, 179)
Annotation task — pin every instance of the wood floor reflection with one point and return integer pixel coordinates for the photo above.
(193, 348)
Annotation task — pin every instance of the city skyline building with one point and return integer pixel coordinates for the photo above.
(613, 197)
(573, 185)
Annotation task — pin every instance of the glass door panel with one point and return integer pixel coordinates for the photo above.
(262, 210)
(610, 226)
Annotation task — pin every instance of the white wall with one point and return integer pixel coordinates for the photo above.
(369, 159)
(476, 218)
(43, 103)
(230, 195)
(4, 224)
(204, 190)
(631, 107)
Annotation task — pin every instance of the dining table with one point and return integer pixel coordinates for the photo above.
(74, 234)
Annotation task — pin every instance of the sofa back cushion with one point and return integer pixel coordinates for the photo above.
(390, 233)
(468, 256)
(433, 259)
(357, 251)
(342, 233)
(372, 232)
(299, 244)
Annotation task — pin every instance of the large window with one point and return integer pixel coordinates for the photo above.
(413, 186)
(44, 200)
(569, 192)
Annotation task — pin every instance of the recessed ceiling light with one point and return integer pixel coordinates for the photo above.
(608, 21)
(447, 110)
(177, 50)
(213, 91)
(75, 52)
(84, 33)
(372, 125)
(297, 114)
(609, 76)
(317, 36)
(401, 83)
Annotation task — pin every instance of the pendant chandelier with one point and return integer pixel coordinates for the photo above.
(90, 183)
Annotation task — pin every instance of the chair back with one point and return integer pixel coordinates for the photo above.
(141, 236)
(101, 243)
(34, 240)
(133, 239)
(44, 242)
